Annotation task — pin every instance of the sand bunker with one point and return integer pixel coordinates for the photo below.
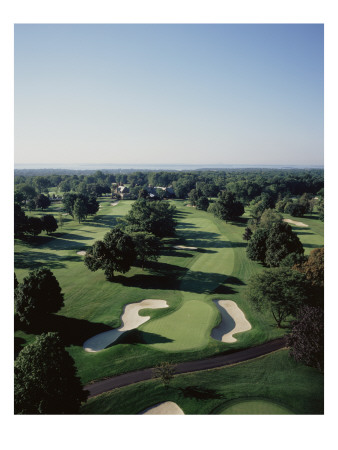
(81, 253)
(298, 224)
(183, 247)
(114, 204)
(163, 408)
(130, 319)
(233, 321)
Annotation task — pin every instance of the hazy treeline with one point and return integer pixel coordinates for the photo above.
(245, 184)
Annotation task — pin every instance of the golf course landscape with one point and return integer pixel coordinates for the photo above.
(182, 316)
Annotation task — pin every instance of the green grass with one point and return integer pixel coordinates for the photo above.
(273, 378)
(312, 236)
(188, 280)
(255, 407)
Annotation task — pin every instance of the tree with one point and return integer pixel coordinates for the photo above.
(42, 201)
(282, 290)
(156, 217)
(227, 207)
(31, 205)
(34, 225)
(80, 209)
(20, 221)
(147, 246)
(202, 203)
(247, 234)
(16, 283)
(38, 294)
(313, 268)
(256, 248)
(280, 242)
(306, 340)
(115, 253)
(269, 218)
(165, 371)
(92, 205)
(272, 245)
(68, 203)
(49, 223)
(45, 380)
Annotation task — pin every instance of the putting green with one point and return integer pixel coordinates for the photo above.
(185, 329)
(255, 407)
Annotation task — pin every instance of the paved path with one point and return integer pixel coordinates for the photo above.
(99, 387)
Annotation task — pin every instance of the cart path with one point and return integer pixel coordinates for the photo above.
(108, 384)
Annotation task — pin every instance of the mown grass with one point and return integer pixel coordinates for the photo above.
(275, 377)
(187, 280)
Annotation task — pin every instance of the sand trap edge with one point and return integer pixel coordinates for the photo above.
(164, 408)
(231, 314)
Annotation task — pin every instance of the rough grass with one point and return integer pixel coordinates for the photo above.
(276, 378)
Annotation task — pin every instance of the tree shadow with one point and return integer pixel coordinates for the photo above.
(136, 336)
(33, 260)
(72, 331)
(199, 393)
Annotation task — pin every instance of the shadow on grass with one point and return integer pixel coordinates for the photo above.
(34, 260)
(72, 331)
(199, 393)
(171, 277)
(136, 336)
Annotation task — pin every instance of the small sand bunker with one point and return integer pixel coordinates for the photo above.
(298, 224)
(114, 204)
(183, 247)
(164, 408)
(233, 321)
(130, 319)
(81, 253)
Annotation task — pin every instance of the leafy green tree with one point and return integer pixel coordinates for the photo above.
(282, 290)
(42, 201)
(80, 209)
(16, 283)
(280, 242)
(147, 246)
(49, 223)
(295, 209)
(28, 191)
(156, 217)
(45, 380)
(306, 340)
(20, 221)
(34, 226)
(247, 234)
(31, 205)
(18, 197)
(202, 203)
(256, 248)
(37, 295)
(92, 205)
(269, 218)
(165, 371)
(227, 207)
(320, 207)
(116, 253)
(68, 203)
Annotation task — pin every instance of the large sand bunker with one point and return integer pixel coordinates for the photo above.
(163, 408)
(183, 247)
(130, 319)
(233, 321)
(298, 224)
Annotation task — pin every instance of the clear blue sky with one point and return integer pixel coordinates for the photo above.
(218, 94)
